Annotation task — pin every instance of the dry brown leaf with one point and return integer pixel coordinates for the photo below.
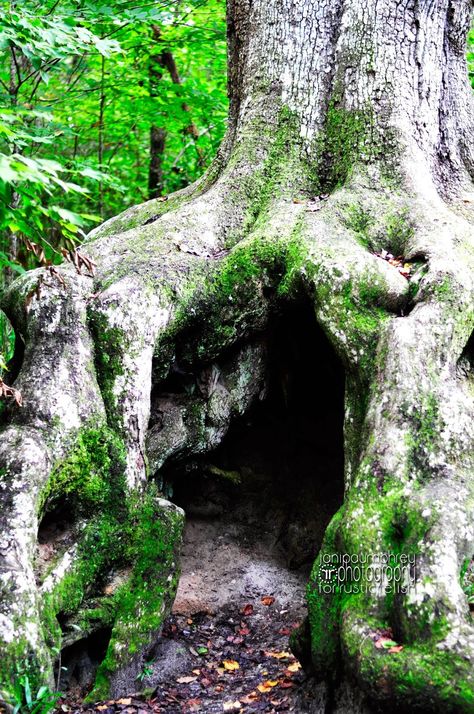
(126, 701)
(268, 600)
(250, 698)
(10, 393)
(186, 680)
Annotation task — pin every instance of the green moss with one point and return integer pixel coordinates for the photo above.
(245, 265)
(129, 532)
(466, 578)
(152, 537)
(275, 150)
(388, 525)
(237, 294)
(359, 220)
(91, 476)
(91, 480)
(422, 436)
(354, 319)
(341, 144)
(109, 353)
(399, 230)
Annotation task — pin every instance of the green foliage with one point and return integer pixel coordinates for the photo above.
(27, 697)
(73, 147)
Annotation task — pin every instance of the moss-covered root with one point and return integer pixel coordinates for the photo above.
(52, 319)
(379, 608)
(144, 600)
(423, 676)
(385, 600)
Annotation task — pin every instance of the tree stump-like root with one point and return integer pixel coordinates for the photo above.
(182, 294)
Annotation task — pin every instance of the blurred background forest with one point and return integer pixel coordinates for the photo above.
(103, 104)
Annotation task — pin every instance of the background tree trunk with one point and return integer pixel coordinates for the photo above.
(163, 60)
(350, 137)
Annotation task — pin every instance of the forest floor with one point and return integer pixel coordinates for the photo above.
(225, 646)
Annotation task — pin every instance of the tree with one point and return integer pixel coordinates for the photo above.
(349, 141)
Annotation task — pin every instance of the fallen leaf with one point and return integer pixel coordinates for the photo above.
(230, 664)
(279, 655)
(102, 707)
(126, 702)
(385, 643)
(250, 698)
(186, 680)
(294, 667)
(396, 650)
(286, 684)
(247, 610)
(268, 685)
(231, 706)
(268, 600)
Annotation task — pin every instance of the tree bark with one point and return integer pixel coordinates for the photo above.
(350, 134)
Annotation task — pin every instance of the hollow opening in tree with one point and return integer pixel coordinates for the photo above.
(258, 505)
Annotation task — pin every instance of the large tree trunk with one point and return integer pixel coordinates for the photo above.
(350, 134)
